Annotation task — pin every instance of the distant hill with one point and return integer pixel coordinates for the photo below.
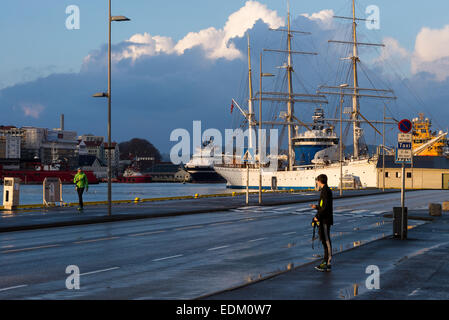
(138, 148)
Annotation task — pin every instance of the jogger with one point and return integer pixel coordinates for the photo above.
(81, 183)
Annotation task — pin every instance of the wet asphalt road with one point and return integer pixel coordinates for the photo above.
(26, 219)
(184, 257)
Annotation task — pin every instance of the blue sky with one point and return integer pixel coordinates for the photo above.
(47, 69)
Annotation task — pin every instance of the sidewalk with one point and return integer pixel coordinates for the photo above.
(69, 216)
(417, 268)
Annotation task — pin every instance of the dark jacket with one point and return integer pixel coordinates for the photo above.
(325, 207)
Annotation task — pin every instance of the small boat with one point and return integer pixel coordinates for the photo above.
(201, 166)
(133, 175)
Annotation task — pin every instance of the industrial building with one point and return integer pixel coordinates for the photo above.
(426, 172)
(11, 140)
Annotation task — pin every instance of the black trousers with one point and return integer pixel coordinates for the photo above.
(80, 196)
(325, 237)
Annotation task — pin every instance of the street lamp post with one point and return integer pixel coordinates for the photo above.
(341, 136)
(383, 153)
(260, 127)
(108, 95)
(383, 149)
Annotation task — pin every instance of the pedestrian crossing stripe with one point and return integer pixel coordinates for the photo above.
(283, 209)
(362, 213)
(378, 212)
(359, 211)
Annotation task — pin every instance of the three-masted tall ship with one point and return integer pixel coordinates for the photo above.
(317, 150)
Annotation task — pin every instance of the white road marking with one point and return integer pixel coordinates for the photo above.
(165, 258)
(259, 239)
(302, 213)
(15, 287)
(248, 219)
(288, 233)
(248, 208)
(266, 208)
(379, 212)
(269, 211)
(283, 209)
(220, 223)
(146, 233)
(188, 228)
(31, 248)
(98, 271)
(359, 211)
(95, 240)
(414, 292)
(303, 209)
(217, 248)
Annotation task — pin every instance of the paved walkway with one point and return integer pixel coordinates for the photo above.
(417, 268)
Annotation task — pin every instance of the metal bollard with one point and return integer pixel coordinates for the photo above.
(397, 222)
(435, 209)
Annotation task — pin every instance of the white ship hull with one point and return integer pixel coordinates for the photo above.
(303, 178)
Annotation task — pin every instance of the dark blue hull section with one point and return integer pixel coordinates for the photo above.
(304, 154)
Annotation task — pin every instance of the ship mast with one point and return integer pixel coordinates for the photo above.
(290, 97)
(355, 91)
(250, 99)
(290, 103)
(355, 99)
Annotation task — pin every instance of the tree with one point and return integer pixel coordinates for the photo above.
(136, 147)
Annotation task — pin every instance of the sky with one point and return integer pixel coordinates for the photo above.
(178, 61)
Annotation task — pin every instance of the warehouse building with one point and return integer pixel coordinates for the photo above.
(426, 172)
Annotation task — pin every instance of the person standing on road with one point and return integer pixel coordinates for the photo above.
(324, 218)
(81, 183)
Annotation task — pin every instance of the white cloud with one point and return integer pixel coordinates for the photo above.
(324, 17)
(32, 110)
(432, 44)
(432, 52)
(215, 42)
(145, 44)
(393, 49)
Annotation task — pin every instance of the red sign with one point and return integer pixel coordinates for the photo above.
(405, 126)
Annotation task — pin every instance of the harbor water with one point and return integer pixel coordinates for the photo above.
(33, 194)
